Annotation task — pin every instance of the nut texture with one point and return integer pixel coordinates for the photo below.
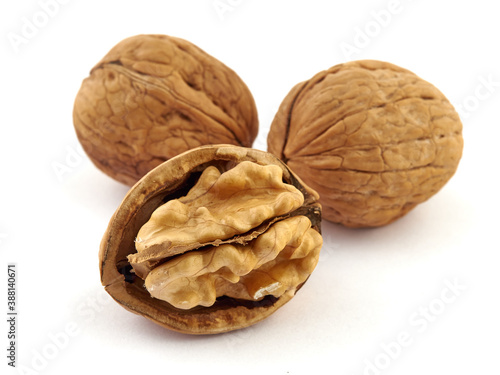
(155, 96)
(212, 240)
(373, 139)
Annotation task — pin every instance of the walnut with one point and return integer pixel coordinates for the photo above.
(373, 139)
(212, 240)
(155, 96)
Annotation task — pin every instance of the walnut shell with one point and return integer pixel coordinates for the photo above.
(373, 139)
(201, 247)
(153, 97)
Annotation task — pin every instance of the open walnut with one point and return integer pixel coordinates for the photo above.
(154, 96)
(212, 240)
(373, 139)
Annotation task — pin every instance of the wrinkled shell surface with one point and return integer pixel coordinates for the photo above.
(373, 139)
(262, 242)
(153, 97)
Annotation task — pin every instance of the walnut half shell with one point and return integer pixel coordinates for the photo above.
(212, 240)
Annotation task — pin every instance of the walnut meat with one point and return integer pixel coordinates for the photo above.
(155, 96)
(212, 240)
(373, 139)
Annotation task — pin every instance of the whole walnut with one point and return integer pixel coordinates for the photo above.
(373, 139)
(153, 97)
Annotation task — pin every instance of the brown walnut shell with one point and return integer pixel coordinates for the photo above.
(153, 97)
(123, 268)
(373, 139)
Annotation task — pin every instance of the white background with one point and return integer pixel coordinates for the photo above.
(371, 287)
